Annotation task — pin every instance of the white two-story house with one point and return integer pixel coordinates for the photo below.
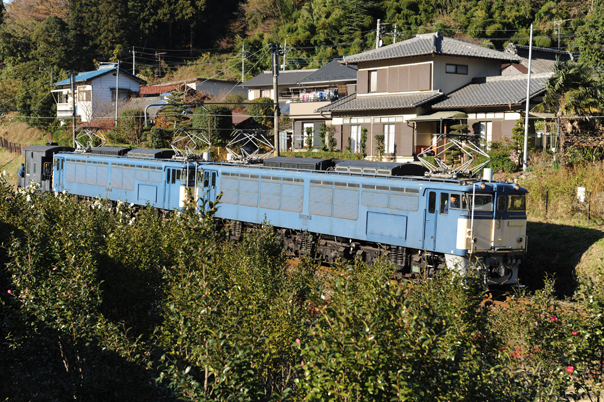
(95, 92)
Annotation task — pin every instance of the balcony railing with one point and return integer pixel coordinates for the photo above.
(318, 96)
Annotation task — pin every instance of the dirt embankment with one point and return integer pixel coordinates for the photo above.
(21, 133)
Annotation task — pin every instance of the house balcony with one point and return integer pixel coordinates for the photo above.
(305, 110)
(64, 110)
(329, 94)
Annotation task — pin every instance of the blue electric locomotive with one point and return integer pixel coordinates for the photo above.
(420, 223)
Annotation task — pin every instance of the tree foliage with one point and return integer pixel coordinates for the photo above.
(176, 311)
(217, 120)
(262, 111)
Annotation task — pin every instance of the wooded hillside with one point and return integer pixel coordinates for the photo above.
(208, 36)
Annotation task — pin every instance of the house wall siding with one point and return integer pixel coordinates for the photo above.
(102, 101)
(476, 68)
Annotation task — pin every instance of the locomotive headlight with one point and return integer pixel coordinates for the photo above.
(517, 187)
(519, 239)
(483, 186)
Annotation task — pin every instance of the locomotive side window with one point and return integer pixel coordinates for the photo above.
(457, 202)
(206, 179)
(213, 179)
(444, 200)
(517, 203)
(501, 203)
(432, 202)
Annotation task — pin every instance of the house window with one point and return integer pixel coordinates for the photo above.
(389, 138)
(85, 96)
(265, 93)
(355, 138)
(123, 94)
(486, 134)
(309, 131)
(373, 81)
(456, 69)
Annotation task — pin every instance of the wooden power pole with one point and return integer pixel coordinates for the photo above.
(276, 92)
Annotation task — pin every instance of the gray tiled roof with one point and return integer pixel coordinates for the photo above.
(430, 44)
(287, 77)
(332, 72)
(380, 102)
(494, 91)
(543, 59)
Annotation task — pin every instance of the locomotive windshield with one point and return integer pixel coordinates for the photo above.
(517, 203)
(482, 202)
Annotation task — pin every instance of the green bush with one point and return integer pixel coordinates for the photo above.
(158, 138)
(100, 303)
(503, 156)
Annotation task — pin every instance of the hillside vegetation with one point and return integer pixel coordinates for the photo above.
(97, 304)
(40, 43)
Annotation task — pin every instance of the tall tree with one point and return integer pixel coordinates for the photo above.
(572, 91)
(112, 29)
(50, 42)
(80, 37)
(590, 38)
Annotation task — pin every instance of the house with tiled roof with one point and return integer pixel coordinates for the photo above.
(542, 59)
(95, 92)
(218, 89)
(261, 86)
(320, 88)
(494, 104)
(302, 92)
(397, 86)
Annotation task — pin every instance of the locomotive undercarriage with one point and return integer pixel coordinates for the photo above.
(331, 249)
(498, 269)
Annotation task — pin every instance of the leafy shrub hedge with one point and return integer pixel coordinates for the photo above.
(96, 304)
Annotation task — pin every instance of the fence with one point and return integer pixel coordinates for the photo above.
(10, 146)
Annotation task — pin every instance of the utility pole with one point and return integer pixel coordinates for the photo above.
(243, 63)
(276, 92)
(133, 61)
(158, 55)
(377, 35)
(558, 23)
(73, 111)
(528, 101)
(284, 56)
(117, 88)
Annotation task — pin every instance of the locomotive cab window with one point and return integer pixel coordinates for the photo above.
(432, 202)
(444, 203)
(457, 202)
(47, 169)
(501, 203)
(517, 203)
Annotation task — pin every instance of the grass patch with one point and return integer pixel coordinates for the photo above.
(21, 133)
(10, 163)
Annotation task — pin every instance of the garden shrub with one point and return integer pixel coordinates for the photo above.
(98, 303)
